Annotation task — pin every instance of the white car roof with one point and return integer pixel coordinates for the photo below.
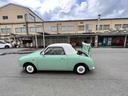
(67, 48)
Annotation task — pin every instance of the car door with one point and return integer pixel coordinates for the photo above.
(54, 58)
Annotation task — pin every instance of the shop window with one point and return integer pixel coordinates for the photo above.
(125, 26)
(35, 29)
(67, 28)
(5, 30)
(106, 27)
(103, 27)
(53, 28)
(20, 29)
(118, 26)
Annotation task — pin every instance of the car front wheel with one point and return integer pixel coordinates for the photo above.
(80, 69)
(30, 68)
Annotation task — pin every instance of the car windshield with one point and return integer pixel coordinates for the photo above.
(1, 42)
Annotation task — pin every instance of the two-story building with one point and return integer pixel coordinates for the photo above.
(20, 24)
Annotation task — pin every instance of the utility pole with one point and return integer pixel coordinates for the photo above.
(43, 34)
(0, 30)
(58, 26)
(36, 41)
(98, 22)
(98, 28)
(26, 23)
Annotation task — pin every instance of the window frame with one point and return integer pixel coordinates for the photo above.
(118, 26)
(19, 16)
(20, 30)
(5, 30)
(5, 17)
(36, 29)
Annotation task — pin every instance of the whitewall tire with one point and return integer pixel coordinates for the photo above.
(80, 69)
(30, 69)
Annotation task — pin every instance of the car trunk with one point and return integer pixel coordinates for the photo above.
(86, 48)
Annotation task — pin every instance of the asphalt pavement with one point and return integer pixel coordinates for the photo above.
(17, 50)
(110, 78)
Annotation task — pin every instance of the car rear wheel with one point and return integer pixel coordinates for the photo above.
(29, 68)
(6, 46)
(80, 69)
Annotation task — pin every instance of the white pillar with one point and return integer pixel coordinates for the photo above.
(125, 41)
(96, 41)
(36, 43)
(68, 39)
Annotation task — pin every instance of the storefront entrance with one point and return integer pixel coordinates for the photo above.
(113, 41)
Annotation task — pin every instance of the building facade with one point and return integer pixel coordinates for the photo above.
(88, 25)
(103, 32)
(20, 24)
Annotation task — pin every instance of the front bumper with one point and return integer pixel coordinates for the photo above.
(92, 68)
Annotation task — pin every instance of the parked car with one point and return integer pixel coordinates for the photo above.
(5, 45)
(58, 57)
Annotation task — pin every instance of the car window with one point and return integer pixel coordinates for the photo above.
(54, 51)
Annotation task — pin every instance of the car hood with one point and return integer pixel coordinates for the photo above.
(34, 54)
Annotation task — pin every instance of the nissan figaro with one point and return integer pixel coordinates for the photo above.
(59, 57)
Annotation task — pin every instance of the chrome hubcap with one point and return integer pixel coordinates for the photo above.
(80, 69)
(30, 68)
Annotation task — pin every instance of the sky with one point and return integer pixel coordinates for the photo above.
(51, 10)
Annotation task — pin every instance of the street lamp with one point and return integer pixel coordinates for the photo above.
(98, 23)
(58, 27)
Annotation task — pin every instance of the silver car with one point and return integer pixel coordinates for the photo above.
(5, 45)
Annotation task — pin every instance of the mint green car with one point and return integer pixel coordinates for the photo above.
(59, 57)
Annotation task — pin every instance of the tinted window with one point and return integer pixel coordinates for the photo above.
(54, 51)
(19, 16)
(5, 17)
